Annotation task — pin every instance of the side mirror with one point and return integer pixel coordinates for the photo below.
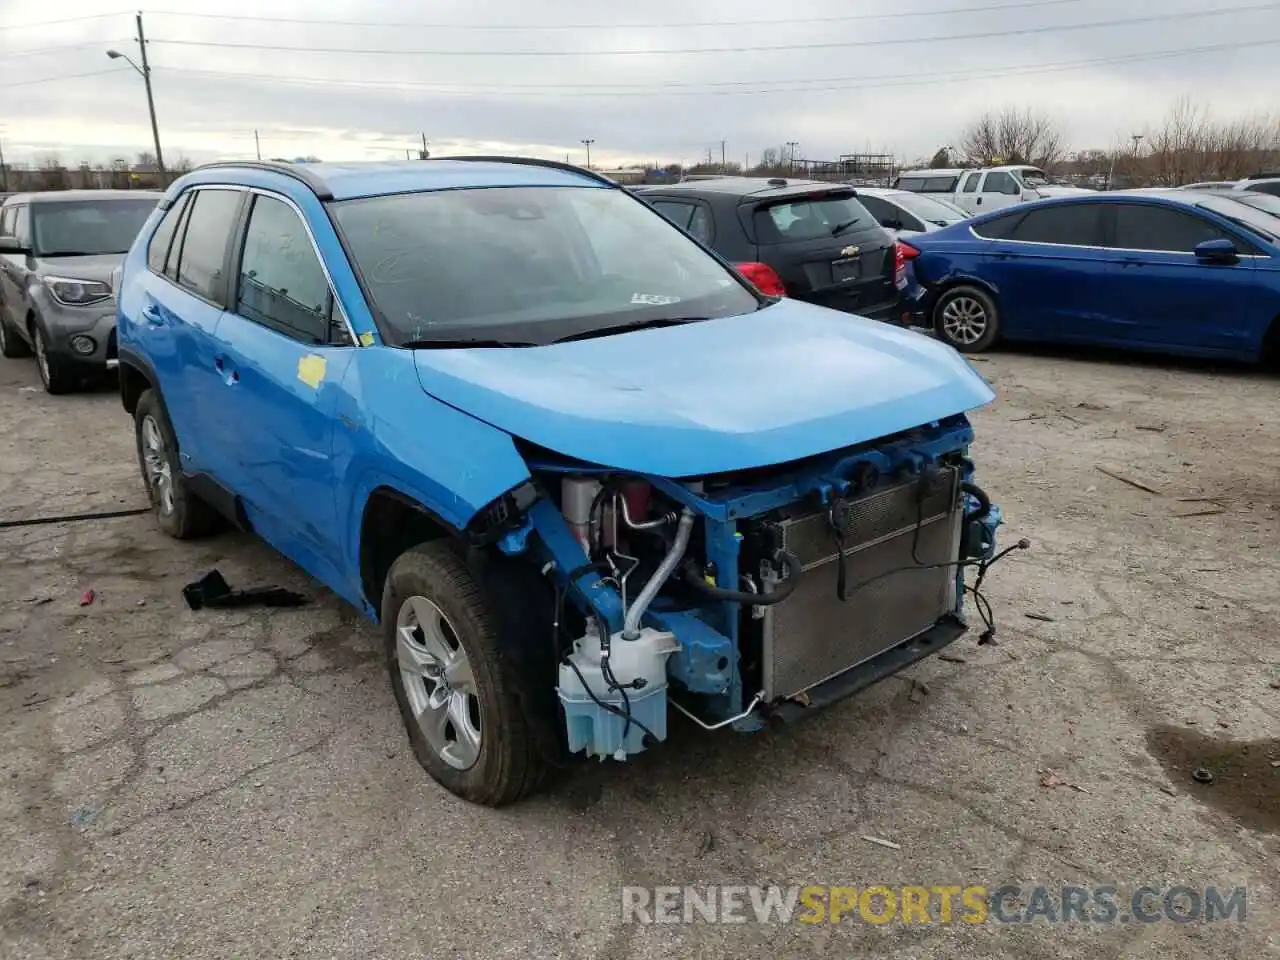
(11, 245)
(1217, 251)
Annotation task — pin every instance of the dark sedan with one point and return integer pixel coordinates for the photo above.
(1174, 271)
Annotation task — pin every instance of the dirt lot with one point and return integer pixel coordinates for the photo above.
(177, 784)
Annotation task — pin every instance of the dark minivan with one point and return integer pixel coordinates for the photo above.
(797, 238)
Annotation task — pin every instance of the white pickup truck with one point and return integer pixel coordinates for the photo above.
(977, 191)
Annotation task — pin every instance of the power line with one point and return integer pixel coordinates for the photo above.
(608, 89)
(67, 46)
(842, 44)
(66, 76)
(871, 81)
(617, 26)
(58, 23)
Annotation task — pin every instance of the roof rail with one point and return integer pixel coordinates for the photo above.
(534, 162)
(298, 172)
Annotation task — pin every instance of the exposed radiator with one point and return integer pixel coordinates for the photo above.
(812, 636)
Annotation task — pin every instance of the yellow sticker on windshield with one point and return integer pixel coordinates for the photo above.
(311, 370)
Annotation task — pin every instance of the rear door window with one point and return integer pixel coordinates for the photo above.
(884, 212)
(811, 218)
(971, 182)
(1073, 225)
(940, 185)
(1163, 229)
(201, 268)
(999, 228)
(1001, 182)
(701, 225)
(676, 211)
(914, 184)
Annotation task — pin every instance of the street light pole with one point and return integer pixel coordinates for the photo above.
(587, 144)
(144, 71)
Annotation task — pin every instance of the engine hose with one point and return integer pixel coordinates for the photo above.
(777, 595)
(984, 502)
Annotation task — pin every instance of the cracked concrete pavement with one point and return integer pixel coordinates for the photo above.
(226, 784)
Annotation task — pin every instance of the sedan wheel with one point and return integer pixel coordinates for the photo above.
(965, 320)
(438, 682)
(155, 461)
(52, 375)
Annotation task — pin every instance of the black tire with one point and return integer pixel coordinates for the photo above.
(967, 318)
(54, 375)
(11, 344)
(183, 515)
(510, 762)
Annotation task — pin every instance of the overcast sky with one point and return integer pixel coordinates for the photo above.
(847, 85)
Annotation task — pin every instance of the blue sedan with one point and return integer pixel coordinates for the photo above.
(1176, 272)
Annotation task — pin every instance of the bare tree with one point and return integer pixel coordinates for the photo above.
(53, 175)
(1013, 136)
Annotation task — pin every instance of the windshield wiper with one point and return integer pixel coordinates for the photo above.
(840, 228)
(457, 344)
(627, 327)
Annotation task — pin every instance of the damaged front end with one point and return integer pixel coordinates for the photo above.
(758, 593)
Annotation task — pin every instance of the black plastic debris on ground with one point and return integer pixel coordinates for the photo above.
(212, 590)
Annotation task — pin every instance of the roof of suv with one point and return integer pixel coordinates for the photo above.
(747, 186)
(54, 196)
(348, 181)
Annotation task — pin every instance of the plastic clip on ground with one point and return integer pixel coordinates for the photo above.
(212, 590)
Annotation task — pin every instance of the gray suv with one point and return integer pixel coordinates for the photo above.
(58, 251)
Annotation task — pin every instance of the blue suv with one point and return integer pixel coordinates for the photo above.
(577, 467)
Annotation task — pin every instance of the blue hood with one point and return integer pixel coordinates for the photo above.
(789, 381)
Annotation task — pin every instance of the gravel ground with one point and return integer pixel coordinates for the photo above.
(222, 784)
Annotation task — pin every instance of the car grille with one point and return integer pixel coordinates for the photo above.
(812, 635)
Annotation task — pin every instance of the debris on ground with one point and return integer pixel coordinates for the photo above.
(84, 817)
(951, 658)
(706, 842)
(1201, 775)
(1138, 484)
(1204, 512)
(882, 843)
(1042, 617)
(1051, 780)
(87, 597)
(1152, 427)
(38, 601)
(918, 691)
(212, 590)
(1275, 684)
(1086, 405)
(1169, 790)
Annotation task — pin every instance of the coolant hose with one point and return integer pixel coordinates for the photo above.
(777, 595)
(631, 625)
(984, 502)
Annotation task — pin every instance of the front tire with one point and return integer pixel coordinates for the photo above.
(458, 690)
(53, 373)
(179, 512)
(967, 318)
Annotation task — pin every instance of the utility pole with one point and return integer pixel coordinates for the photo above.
(791, 153)
(151, 101)
(424, 155)
(587, 144)
(722, 163)
(4, 172)
(257, 146)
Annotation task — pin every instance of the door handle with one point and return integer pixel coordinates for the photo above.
(978, 202)
(152, 315)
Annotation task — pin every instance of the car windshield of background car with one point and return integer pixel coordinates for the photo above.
(535, 262)
(88, 227)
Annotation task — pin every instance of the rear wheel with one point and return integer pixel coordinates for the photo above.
(180, 513)
(11, 345)
(458, 689)
(967, 318)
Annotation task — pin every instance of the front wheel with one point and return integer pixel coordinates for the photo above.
(53, 373)
(180, 513)
(458, 690)
(11, 344)
(967, 318)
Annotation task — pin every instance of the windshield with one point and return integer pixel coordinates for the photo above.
(809, 218)
(1259, 201)
(1244, 215)
(88, 227)
(931, 210)
(529, 264)
(1033, 178)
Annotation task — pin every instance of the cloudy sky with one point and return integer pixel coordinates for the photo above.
(536, 77)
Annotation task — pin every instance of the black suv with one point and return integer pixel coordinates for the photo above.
(797, 238)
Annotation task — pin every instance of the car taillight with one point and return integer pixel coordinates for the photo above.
(764, 278)
(902, 254)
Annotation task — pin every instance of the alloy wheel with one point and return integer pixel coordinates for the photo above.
(438, 682)
(42, 358)
(155, 459)
(964, 320)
